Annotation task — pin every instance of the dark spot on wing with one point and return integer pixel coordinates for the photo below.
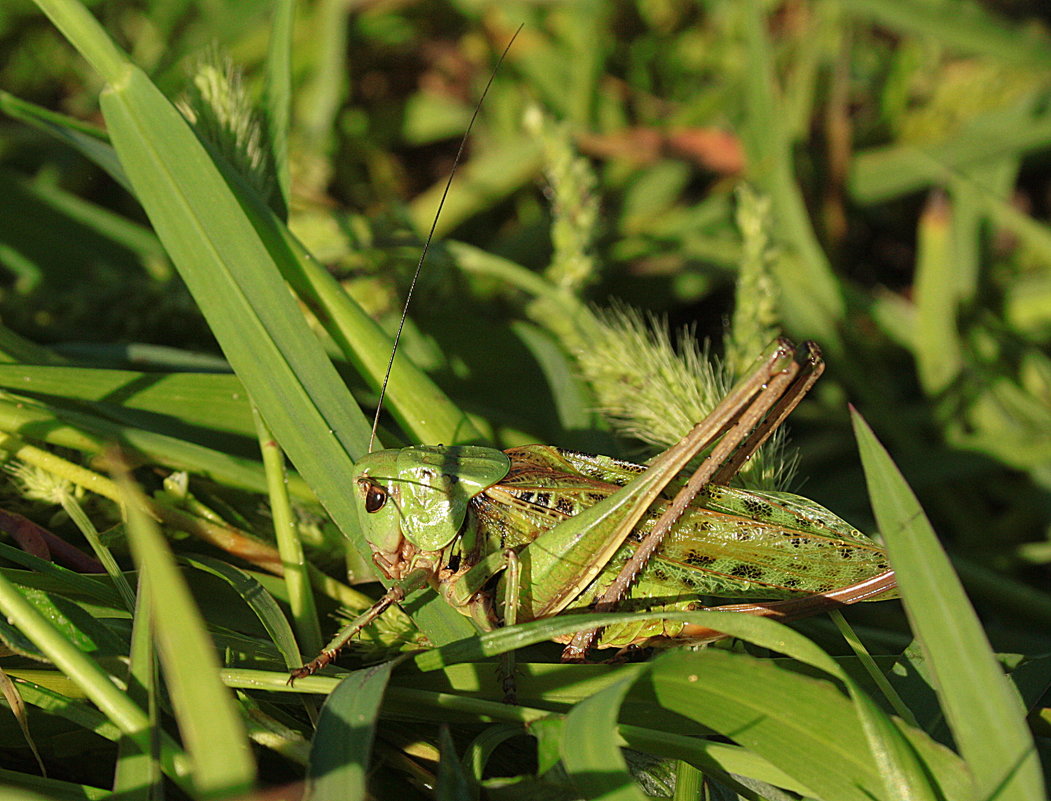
(564, 505)
(751, 572)
(699, 559)
(757, 509)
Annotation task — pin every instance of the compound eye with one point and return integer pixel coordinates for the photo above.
(375, 498)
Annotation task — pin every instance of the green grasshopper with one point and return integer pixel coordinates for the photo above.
(524, 534)
(535, 531)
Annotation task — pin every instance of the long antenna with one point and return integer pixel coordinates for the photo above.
(430, 236)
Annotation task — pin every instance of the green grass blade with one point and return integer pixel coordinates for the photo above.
(27, 787)
(884, 173)
(296, 573)
(41, 573)
(880, 741)
(477, 754)
(231, 275)
(595, 764)
(88, 140)
(453, 784)
(75, 623)
(339, 757)
(137, 774)
(15, 348)
(79, 27)
(327, 83)
(208, 718)
(259, 600)
(801, 725)
(62, 704)
(209, 401)
(984, 712)
(812, 301)
(89, 434)
(419, 405)
(278, 99)
(16, 704)
(417, 402)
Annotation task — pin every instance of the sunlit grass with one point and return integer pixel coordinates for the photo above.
(867, 175)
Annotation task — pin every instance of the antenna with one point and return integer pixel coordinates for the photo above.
(430, 235)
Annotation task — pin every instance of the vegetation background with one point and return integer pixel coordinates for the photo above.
(872, 175)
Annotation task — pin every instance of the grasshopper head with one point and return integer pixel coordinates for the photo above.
(421, 493)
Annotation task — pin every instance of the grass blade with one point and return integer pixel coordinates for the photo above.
(208, 719)
(258, 600)
(339, 758)
(88, 140)
(984, 712)
(138, 773)
(811, 297)
(595, 763)
(278, 99)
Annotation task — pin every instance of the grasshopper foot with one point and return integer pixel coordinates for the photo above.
(312, 667)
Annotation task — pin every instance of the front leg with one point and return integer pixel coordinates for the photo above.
(395, 594)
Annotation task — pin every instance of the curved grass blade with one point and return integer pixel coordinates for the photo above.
(595, 764)
(983, 710)
(453, 784)
(259, 601)
(87, 140)
(339, 757)
(18, 709)
(205, 401)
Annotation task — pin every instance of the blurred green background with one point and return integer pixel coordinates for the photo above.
(902, 148)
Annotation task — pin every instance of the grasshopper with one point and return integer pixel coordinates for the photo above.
(535, 531)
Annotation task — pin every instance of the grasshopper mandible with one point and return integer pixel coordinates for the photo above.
(523, 534)
(535, 531)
